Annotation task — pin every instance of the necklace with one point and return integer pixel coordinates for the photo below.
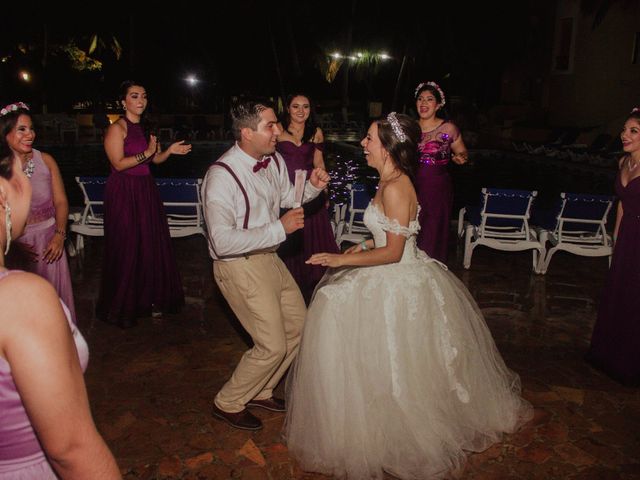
(28, 168)
(629, 165)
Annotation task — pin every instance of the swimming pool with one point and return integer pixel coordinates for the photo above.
(488, 168)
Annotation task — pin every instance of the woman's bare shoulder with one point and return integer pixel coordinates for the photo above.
(24, 296)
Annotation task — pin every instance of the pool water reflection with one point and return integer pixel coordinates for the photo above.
(487, 168)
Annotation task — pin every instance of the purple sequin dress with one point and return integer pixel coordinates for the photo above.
(40, 229)
(434, 189)
(21, 455)
(140, 269)
(615, 344)
(317, 235)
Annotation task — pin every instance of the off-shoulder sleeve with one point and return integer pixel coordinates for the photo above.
(393, 226)
(452, 130)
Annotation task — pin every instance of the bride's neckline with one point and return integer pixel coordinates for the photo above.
(379, 209)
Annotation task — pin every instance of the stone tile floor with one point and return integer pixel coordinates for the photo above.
(151, 386)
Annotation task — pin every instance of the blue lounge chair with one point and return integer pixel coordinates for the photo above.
(180, 197)
(578, 227)
(500, 222)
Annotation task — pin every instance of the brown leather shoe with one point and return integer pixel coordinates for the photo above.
(244, 419)
(272, 404)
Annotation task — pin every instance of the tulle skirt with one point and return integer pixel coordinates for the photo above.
(397, 372)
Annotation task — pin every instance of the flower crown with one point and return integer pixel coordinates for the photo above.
(12, 107)
(434, 85)
(395, 126)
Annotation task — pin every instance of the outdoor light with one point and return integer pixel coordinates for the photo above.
(359, 54)
(384, 56)
(25, 76)
(336, 55)
(192, 80)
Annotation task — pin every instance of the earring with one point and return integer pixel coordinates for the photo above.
(124, 107)
(7, 223)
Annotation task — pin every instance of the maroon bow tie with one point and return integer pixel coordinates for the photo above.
(261, 164)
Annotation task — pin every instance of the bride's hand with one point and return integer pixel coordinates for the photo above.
(325, 259)
(353, 249)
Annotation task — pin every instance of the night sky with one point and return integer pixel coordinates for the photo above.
(465, 48)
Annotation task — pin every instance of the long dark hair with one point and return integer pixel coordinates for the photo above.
(6, 160)
(124, 89)
(310, 126)
(403, 151)
(9, 120)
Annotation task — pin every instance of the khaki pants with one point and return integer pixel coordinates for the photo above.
(268, 303)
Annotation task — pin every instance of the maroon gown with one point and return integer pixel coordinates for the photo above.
(435, 190)
(317, 235)
(615, 344)
(140, 269)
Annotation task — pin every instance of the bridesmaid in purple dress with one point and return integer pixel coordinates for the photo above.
(301, 145)
(140, 272)
(46, 227)
(441, 141)
(615, 344)
(46, 429)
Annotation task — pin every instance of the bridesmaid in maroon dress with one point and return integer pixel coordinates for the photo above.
(140, 271)
(301, 145)
(441, 141)
(615, 344)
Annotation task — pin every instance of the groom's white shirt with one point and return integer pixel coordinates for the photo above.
(225, 206)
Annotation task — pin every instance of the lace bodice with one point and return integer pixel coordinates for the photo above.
(378, 223)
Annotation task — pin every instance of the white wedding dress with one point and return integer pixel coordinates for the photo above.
(397, 371)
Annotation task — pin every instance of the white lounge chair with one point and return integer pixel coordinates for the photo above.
(501, 222)
(579, 227)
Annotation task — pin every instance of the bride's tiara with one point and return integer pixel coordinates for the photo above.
(395, 126)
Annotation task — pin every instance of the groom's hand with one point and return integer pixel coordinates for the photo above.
(319, 178)
(293, 220)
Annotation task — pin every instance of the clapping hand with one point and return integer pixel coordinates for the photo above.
(319, 178)
(179, 148)
(153, 146)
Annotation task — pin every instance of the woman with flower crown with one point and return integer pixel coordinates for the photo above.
(397, 371)
(440, 142)
(46, 228)
(615, 344)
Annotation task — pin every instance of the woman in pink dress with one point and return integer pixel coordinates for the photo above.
(47, 223)
(441, 141)
(301, 145)
(46, 429)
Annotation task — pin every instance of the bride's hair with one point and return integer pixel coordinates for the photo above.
(401, 144)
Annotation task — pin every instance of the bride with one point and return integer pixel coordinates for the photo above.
(397, 370)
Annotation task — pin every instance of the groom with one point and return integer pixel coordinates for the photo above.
(242, 194)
